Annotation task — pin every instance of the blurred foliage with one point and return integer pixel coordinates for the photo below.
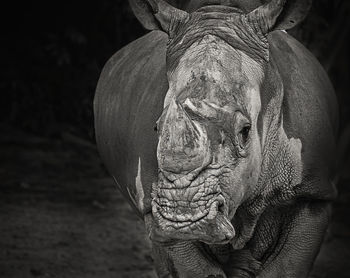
(54, 52)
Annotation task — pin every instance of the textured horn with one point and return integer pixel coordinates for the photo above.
(265, 16)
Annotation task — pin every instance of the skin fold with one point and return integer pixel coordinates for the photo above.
(220, 131)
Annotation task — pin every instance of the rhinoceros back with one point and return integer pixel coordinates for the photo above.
(128, 101)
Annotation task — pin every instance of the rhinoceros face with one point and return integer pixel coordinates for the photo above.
(209, 150)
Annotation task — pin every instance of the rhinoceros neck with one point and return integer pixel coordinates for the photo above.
(232, 28)
(243, 5)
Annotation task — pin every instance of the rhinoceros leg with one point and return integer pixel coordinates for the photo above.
(298, 241)
(184, 259)
(242, 265)
(285, 243)
(181, 259)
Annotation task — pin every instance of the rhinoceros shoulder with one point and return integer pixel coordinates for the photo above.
(128, 100)
(310, 112)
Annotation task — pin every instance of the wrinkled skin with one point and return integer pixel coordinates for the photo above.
(209, 152)
(242, 188)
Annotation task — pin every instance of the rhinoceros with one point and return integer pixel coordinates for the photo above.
(219, 128)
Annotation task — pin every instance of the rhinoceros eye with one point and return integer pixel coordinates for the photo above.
(242, 141)
(244, 135)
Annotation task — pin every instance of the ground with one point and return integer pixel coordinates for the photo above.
(62, 216)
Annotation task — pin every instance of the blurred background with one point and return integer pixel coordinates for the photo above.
(60, 213)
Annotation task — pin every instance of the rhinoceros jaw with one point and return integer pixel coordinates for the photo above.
(212, 226)
(197, 211)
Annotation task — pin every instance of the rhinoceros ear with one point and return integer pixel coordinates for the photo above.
(280, 14)
(294, 12)
(157, 14)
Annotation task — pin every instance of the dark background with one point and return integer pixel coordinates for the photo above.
(60, 215)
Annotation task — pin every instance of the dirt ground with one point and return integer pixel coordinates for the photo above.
(61, 216)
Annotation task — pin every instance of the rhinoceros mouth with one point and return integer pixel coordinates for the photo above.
(212, 227)
(196, 211)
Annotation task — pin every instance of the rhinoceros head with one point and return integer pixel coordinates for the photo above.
(210, 143)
